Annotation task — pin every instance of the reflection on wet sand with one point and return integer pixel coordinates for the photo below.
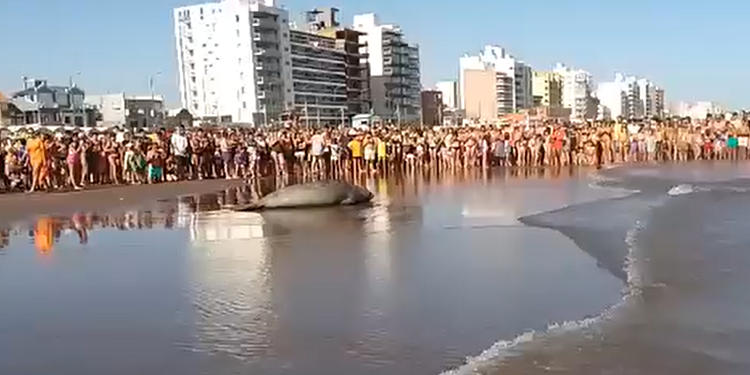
(187, 211)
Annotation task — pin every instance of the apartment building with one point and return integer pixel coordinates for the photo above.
(346, 41)
(624, 97)
(395, 81)
(577, 89)
(131, 111)
(652, 97)
(234, 61)
(319, 79)
(547, 89)
(449, 89)
(514, 78)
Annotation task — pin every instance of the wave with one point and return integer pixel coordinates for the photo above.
(682, 189)
(505, 348)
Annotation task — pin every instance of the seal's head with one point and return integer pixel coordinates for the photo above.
(359, 194)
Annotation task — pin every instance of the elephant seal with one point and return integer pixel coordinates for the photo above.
(315, 194)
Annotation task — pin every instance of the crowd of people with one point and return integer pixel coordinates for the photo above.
(65, 160)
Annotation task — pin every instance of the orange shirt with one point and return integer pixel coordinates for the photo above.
(37, 151)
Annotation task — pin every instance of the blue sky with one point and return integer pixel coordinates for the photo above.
(696, 50)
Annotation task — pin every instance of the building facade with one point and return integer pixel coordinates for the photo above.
(547, 89)
(480, 94)
(577, 92)
(653, 99)
(432, 108)
(325, 30)
(449, 89)
(132, 111)
(514, 78)
(234, 61)
(9, 114)
(628, 97)
(395, 79)
(319, 79)
(51, 105)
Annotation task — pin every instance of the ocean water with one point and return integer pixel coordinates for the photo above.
(437, 270)
(682, 246)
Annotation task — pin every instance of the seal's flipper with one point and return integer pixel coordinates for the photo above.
(252, 207)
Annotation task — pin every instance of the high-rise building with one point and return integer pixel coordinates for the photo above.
(547, 89)
(513, 78)
(480, 94)
(652, 97)
(324, 21)
(577, 88)
(449, 89)
(234, 60)
(628, 97)
(395, 84)
(319, 79)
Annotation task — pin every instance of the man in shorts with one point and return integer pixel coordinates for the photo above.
(179, 144)
(317, 144)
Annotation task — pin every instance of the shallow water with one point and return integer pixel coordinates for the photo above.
(438, 268)
(683, 247)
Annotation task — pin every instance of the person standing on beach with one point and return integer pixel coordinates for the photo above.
(38, 161)
(156, 162)
(179, 144)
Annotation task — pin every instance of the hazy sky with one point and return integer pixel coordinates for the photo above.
(696, 50)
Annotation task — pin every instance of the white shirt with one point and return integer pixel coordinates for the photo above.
(179, 144)
(317, 144)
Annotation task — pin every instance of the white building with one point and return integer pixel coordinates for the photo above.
(628, 97)
(128, 110)
(514, 78)
(234, 60)
(395, 82)
(577, 87)
(697, 110)
(450, 93)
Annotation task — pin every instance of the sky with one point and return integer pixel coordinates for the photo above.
(695, 50)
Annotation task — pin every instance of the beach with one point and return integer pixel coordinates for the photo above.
(20, 206)
(627, 271)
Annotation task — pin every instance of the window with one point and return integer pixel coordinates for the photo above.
(244, 105)
(237, 17)
(141, 111)
(242, 90)
(192, 79)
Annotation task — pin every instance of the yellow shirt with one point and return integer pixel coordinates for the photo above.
(356, 147)
(381, 149)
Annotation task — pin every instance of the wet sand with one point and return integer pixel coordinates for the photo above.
(21, 206)
(438, 268)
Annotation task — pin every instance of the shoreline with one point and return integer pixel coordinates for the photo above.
(19, 206)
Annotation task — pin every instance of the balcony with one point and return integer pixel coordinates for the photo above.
(265, 24)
